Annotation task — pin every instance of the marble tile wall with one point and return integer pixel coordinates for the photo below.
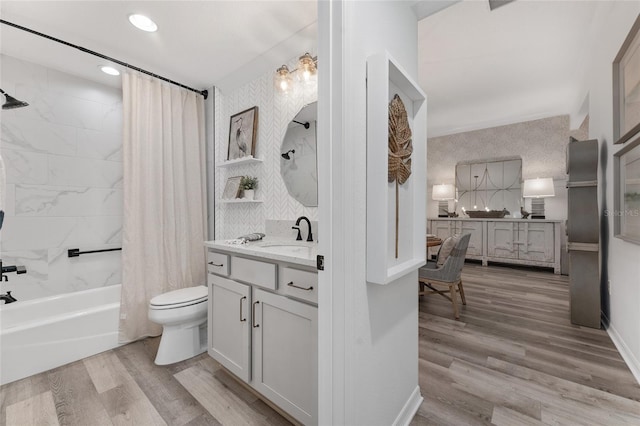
(63, 155)
(275, 113)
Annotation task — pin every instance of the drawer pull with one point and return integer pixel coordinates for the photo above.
(241, 299)
(253, 315)
(291, 284)
(215, 264)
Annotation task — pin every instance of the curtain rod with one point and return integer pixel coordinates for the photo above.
(204, 93)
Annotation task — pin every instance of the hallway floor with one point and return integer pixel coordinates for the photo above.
(512, 359)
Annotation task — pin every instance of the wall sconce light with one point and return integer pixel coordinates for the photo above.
(443, 193)
(538, 189)
(306, 69)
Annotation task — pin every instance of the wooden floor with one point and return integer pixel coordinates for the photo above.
(512, 359)
(515, 359)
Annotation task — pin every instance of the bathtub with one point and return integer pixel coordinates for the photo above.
(41, 334)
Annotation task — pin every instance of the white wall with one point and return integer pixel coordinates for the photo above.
(63, 155)
(275, 112)
(619, 258)
(369, 345)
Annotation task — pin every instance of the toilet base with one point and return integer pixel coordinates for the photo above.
(180, 342)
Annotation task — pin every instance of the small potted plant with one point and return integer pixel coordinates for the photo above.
(249, 185)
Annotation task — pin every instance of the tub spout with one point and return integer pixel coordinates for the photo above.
(8, 298)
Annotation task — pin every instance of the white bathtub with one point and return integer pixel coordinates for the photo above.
(41, 334)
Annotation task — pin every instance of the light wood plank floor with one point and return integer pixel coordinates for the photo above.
(513, 359)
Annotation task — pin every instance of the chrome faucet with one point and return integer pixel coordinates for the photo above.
(309, 235)
(8, 298)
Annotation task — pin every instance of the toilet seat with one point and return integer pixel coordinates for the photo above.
(180, 298)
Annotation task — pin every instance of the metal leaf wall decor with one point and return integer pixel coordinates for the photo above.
(400, 149)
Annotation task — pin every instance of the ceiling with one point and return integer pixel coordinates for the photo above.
(479, 68)
(198, 43)
(522, 61)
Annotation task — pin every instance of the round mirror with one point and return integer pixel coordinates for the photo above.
(298, 166)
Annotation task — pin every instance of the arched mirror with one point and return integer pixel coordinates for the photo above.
(298, 165)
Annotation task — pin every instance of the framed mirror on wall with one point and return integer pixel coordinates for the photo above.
(298, 159)
(627, 192)
(493, 184)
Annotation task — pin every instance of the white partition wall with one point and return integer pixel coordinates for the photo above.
(368, 334)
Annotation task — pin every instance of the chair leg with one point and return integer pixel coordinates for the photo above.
(454, 300)
(464, 301)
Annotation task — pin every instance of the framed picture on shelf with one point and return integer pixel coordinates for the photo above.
(243, 128)
(627, 192)
(232, 188)
(626, 87)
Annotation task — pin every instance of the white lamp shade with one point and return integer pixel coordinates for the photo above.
(443, 192)
(538, 188)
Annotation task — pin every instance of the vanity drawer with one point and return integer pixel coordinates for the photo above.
(298, 283)
(217, 263)
(254, 272)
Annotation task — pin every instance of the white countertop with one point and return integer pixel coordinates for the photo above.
(496, 219)
(272, 248)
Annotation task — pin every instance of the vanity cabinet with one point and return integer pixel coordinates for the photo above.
(229, 326)
(263, 328)
(520, 241)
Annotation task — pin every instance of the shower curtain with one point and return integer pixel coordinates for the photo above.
(164, 197)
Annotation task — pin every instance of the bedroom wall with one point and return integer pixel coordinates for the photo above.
(275, 112)
(541, 144)
(63, 156)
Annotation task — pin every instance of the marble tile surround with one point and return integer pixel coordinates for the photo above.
(63, 155)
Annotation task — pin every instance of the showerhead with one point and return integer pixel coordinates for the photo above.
(11, 102)
(286, 155)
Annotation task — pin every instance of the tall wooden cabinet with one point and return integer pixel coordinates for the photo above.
(520, 241)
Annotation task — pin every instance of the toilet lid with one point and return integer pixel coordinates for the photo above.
(184, 296)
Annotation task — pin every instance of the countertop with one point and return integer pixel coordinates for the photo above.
(272, 248)
(496, 219)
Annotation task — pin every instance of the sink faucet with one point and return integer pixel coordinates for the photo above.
(8, 298)
(309, 235)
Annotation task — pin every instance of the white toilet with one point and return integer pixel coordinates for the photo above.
(183, 316)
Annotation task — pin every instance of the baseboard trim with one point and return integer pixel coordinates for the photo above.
(410, 408)
(628, 356)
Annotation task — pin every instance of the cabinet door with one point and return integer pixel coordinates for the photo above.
(477, 241)
(229, 330)
(502, 239)
(285, 354)
(443, 228)
(537, 242)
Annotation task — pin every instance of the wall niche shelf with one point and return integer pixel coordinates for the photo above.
(240, 201)
(238, 162)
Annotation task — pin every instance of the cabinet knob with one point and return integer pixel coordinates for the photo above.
(215, 264)
(241, 299)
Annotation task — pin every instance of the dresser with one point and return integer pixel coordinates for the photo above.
(532, 242)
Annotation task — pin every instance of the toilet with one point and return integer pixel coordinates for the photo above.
(183, 316)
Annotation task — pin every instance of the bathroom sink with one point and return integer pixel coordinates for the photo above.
(288, 248)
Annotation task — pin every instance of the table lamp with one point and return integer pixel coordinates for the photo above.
(538, 189)
(443, 194)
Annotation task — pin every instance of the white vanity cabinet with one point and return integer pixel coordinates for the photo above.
(263, 328)
(520, 241)
(229, 326)
(285, 352)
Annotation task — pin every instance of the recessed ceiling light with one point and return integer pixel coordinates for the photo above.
(142, 22)
(109, 70)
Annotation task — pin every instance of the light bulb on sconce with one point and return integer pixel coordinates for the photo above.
(306, 69)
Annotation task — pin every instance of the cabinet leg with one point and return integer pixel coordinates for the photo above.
(485, 262)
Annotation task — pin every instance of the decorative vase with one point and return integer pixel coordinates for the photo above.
(249, 194)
